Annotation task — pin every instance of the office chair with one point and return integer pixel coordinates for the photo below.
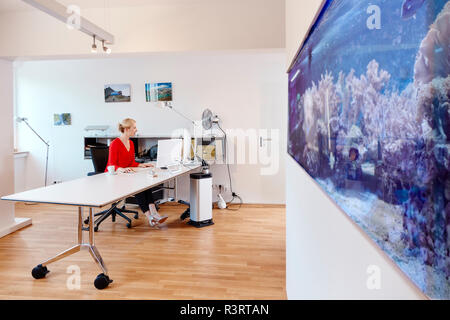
(100, 160)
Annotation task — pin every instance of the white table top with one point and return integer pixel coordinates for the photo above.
(98, 190)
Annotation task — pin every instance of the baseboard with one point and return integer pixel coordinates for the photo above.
(244, 205)
(252, 205)
(19, 223)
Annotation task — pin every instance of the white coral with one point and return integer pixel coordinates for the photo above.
(433, 58)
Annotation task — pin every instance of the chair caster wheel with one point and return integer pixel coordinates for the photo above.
(128, 225)
(185, 214)
(102, 281)
(95, 229)
(39, 272)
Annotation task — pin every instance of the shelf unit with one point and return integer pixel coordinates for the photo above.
(211, 148)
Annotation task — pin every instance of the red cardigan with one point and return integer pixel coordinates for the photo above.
(119, 156)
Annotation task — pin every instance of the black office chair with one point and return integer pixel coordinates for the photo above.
(100, 160)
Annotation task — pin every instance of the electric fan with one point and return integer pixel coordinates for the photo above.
(208, 119)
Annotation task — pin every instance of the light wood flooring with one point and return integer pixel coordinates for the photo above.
(242, 256)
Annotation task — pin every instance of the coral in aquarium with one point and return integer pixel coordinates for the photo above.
(433, 58)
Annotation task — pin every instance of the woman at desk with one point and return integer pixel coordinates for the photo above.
(121, 155)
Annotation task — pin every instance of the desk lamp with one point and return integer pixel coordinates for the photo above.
(19, 119)
(205, 165)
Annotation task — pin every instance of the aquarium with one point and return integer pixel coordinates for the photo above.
(369, 120)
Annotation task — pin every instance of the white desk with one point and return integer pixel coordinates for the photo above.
(93, 192)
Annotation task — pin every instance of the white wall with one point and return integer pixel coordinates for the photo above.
(157, 26)
(8, 223)
(247, 89)
(327, 255)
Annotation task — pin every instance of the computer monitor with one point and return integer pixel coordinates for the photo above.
(169, 152)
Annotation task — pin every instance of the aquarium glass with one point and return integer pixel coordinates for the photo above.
(369, 121)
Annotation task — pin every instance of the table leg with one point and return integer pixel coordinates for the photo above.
(63, 254)
(92, 248)
(74, 249)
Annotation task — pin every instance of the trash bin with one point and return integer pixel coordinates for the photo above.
(201, 200)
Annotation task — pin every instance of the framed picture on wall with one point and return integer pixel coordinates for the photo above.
(155, 92)
(117, 93)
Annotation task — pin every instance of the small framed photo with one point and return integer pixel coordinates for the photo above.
(62, 119)
(155, 92)
(117, 93)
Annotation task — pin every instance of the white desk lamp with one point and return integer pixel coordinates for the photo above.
(208, 119)
(168, 104)
(19, 119)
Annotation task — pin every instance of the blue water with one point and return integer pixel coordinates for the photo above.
(343, 31)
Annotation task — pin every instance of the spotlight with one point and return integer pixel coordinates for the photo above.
(94, 46)
(105, 49)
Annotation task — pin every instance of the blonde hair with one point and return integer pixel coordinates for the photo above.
(125, 124)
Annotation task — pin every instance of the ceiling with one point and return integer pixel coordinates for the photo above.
(19, 5)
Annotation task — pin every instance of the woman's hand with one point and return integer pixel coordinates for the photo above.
(125, 170)
(145, 165)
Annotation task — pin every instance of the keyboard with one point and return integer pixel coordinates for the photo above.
(174, 168)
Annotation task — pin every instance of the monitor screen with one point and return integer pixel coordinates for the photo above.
(169, 152)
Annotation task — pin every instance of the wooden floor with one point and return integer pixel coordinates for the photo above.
(242, 256)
